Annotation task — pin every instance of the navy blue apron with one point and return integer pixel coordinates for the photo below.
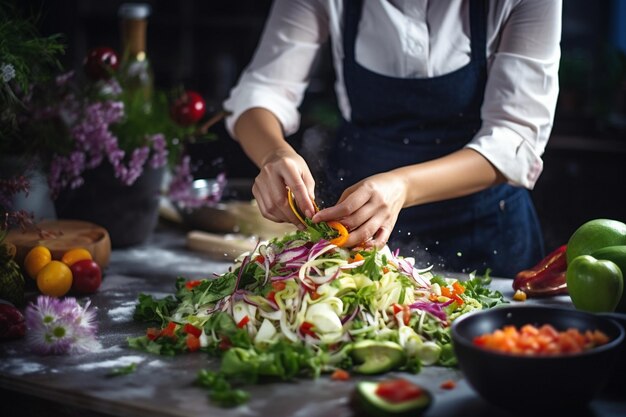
(402, 121)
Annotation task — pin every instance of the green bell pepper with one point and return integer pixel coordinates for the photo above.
(616, 254)
(594, 285)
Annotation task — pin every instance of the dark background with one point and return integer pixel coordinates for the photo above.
(204, 45)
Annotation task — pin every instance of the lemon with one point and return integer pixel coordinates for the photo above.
(54, 279)
(36, 258)
(74, 255)
(594, 235)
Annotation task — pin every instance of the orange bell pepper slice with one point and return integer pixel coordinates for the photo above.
(343, 234)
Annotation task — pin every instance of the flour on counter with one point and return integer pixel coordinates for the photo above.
(156, 363)
(122, 313)
(121, 361)
(18, 366)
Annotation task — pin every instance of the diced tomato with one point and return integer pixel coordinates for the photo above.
(192, 284)
(448, 384)
(385, 269)
(153, 333)
(398, 390)
(169, 330)
(396, 308)
(191, 329)
(278, 285)
(306, 328)
(340, 375)
(242, 323)
(260, 259)
(545, 340)
(193, 343)
(272, 296)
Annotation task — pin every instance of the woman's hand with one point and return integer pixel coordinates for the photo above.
(369, 209)
(281, 169)
(260, 134)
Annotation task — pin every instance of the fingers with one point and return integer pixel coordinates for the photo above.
(350, 202)
(368, 209)
(270, 188)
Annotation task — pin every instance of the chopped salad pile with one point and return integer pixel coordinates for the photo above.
(301, 305)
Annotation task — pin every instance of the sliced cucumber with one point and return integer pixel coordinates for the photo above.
(375, 357)
(373, 405)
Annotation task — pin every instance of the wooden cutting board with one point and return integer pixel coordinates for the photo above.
(61, 235)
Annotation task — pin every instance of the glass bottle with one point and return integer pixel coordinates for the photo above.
(136, 75)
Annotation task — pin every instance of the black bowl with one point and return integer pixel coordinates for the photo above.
(517, 382)
(617, 381)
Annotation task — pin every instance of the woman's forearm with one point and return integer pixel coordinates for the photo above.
(260, 135)
(458, 174)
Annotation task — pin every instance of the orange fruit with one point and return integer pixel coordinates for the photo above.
(74, 255)
(54, 279)
(36, 259)
(593, 235)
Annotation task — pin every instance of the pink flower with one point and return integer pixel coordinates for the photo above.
(57, 327)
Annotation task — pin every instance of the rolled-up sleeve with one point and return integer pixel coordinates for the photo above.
(278, 75)
(521, 93)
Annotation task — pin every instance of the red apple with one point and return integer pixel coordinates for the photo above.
(86, 276)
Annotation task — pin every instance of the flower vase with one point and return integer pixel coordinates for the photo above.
(36, 201)
(128, 212)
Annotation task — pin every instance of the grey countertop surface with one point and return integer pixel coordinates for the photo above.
(163, 386)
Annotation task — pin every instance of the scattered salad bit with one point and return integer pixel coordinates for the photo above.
(520, 295)
(395, 397)
(123, 370)
(301, 305)
(448, 384)
(545, 340)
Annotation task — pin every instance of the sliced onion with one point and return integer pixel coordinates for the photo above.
(433, 309)
(350, 317)
(292, 254)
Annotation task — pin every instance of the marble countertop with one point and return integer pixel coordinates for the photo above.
(163, 386)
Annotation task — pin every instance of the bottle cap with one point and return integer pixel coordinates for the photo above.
(134, 10)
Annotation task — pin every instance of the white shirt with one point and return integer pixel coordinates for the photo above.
(416, 39)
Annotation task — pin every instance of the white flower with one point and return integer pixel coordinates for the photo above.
(7, 71)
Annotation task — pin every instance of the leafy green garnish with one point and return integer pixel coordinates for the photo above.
(477, 287)
(150, 309)
(370, 267)
(123, 370)
(221, 391)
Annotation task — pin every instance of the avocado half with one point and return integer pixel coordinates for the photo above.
(375, 357)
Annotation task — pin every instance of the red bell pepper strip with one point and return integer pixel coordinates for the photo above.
(169, 330)
(193, 343)
(306, 328)
(191, 329)
(242, 323)
(152, 333)
(192, 284)
(546, 278)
